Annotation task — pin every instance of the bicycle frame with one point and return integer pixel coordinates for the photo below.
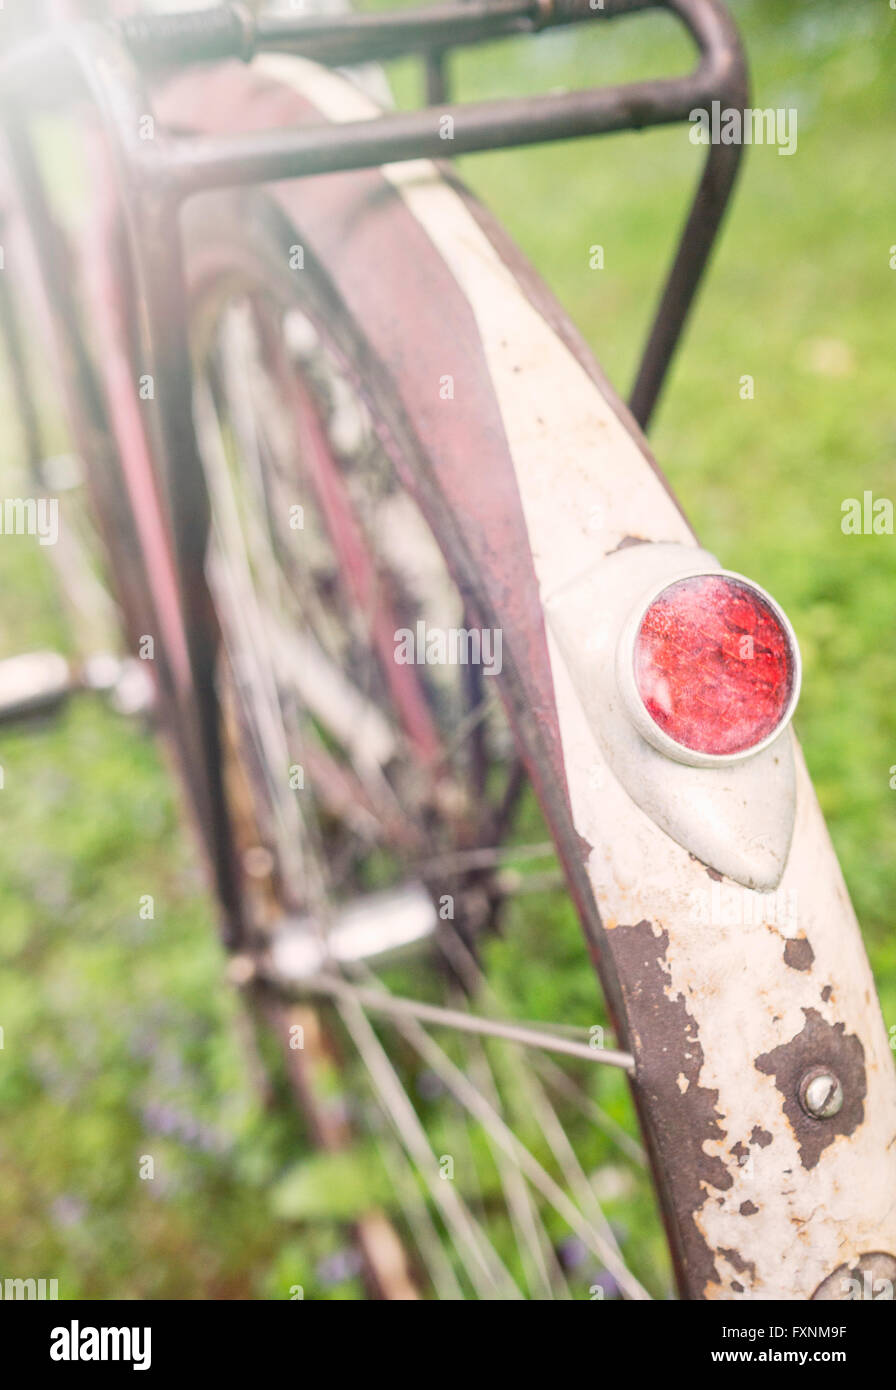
(155, 178)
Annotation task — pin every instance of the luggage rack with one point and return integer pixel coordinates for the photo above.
(111, 61)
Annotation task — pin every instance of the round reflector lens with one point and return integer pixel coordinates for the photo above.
(714, 665)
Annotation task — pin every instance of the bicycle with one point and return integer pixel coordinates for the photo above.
(235, 329)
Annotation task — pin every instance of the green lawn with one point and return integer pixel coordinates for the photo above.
(119, 1039)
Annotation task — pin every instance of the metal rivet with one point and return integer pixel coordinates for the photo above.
(821, 1094)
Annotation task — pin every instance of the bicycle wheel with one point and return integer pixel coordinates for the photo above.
(416, 302)
(375, 800)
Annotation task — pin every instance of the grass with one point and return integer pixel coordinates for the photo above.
(119, 1040)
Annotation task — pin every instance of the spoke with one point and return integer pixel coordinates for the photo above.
(469, 971)
(567, 1088)
(538, 1105)
(353, 721)
(464, 1090)
(297, 660)
(485, 857)
(514, 787)
(468, 726)
(231, 575)
(357, 565)
(343, 794)
(483, 1264)
(368, 738)
(473, 678)
(545, 1274)
(576, 1180)
(510, 883)
(379, 1001)
(422, 1227)
(96, 628)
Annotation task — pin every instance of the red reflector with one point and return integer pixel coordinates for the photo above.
(714, 665)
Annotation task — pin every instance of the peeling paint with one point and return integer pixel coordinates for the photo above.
(626, 542)
(818, 1044)
(671, 1051)
(798, 954)
(737, 1260)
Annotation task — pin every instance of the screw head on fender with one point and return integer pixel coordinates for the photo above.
(821, 1094)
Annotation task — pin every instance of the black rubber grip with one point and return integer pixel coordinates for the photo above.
(193, 36)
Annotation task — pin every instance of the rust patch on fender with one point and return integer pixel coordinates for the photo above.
(737, 1261)
(626, 542)
(760, 1136)
(798, 954)
(818, 1044)
(683, 1123)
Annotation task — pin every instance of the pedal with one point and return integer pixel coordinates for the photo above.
(33, 684)
(374, 928)
(36, 684)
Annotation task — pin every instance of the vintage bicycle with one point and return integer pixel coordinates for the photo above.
(331, 421)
